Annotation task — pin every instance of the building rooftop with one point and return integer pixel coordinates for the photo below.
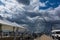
(6, 22)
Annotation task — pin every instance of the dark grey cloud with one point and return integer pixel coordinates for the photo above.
(30, 20)
(26, 2)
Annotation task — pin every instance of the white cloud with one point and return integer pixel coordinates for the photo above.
(42, 4)
(10, 7)
(1, 7)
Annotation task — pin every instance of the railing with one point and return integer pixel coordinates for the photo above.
(20, 36)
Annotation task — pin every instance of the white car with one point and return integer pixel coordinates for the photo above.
(56, 33)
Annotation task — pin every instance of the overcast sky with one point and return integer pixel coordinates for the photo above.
(30, 13)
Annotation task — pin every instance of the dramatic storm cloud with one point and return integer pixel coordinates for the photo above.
(26, 2)
(32, 14)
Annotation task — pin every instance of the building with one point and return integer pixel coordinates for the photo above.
(6, 27)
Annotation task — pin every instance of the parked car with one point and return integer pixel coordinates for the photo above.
(56, 34)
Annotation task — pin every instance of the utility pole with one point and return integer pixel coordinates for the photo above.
(1, 30)
(16, 32)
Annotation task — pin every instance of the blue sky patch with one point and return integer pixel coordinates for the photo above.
(1, 3)
(50, 3)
